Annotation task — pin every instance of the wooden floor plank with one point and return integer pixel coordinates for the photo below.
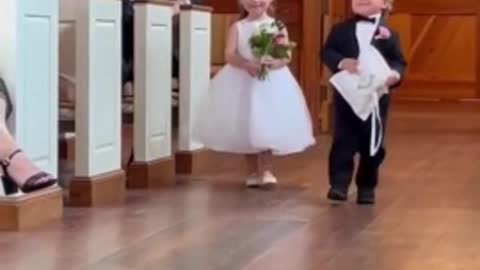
(427, 216)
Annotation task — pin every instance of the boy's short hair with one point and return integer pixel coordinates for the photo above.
(389, 5)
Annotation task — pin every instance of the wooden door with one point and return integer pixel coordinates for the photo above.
(441, 40)
(332, 12)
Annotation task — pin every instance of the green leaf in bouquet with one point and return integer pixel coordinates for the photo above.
(261, 43)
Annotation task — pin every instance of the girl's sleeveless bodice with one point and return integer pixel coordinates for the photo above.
(245, 30)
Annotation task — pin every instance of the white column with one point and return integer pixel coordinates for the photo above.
(90, 56)
(98, 90)
(153, 82)
(29, 65)
(194, 70)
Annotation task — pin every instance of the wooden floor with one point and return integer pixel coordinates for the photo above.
(427, 216)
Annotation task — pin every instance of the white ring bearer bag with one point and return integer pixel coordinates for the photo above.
(363, 91)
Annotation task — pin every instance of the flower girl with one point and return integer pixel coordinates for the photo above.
(255, 106)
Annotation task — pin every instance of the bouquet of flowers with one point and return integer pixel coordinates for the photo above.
(270, 43)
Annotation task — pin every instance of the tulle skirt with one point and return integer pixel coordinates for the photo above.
(242, 114)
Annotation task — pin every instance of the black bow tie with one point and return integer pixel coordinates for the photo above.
(360, 18)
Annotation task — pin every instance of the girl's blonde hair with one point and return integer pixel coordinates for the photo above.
(244, 13)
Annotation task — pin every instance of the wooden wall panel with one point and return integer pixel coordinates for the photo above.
(331, 12)
(290, 12)
(338, 8)
(403, 24)
(437, 6)
(310, 66)
(448, 50)
(442, 53)
(223, 6)
(221, 24)
(441, 39)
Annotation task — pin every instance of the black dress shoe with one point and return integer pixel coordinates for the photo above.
(337, 195)
(366, 197)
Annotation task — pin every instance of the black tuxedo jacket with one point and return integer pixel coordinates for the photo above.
(342, 43)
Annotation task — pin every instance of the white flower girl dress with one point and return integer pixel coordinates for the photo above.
(243, 114)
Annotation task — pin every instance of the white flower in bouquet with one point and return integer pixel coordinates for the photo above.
(268, 28)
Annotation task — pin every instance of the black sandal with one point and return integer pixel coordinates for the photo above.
(31, 184)
(9, 187)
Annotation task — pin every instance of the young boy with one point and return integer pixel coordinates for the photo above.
(351, 134)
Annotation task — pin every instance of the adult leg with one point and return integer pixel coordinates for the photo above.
(18, 169)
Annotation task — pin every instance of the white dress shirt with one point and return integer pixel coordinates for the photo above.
(365, 32)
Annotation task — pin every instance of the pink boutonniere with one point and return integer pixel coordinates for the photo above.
(383, 33)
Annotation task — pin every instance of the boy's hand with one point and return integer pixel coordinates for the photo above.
(349, 64)
(393, 79)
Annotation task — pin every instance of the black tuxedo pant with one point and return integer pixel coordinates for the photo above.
(351, 137)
